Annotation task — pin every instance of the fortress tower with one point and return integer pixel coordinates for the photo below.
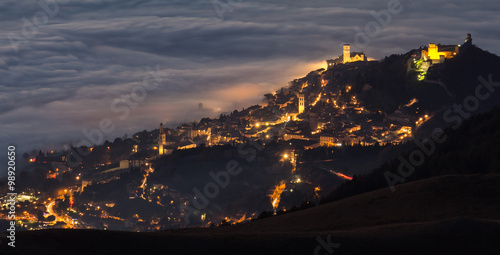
(346, 53)
(433, 51)
(162, 140)
(437, 53)
(468, 38)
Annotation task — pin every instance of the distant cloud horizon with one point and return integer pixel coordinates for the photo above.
(63, 65)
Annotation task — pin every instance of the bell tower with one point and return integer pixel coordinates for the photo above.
(162, 140)
(346, 53)
(301, 102)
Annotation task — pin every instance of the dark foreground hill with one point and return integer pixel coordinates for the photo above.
(454, 214)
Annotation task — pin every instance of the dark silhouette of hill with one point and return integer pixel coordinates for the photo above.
(394, 80)
(431, 199)
(455, 214)
(471, 81)
(470, 149)
(460, 74)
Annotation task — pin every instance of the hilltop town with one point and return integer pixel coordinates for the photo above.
(352, 105)
(318, 108)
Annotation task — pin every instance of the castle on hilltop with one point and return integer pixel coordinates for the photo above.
(435, 54)
(438, 53)
(346, 57)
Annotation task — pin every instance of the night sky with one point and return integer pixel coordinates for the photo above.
(65, 75)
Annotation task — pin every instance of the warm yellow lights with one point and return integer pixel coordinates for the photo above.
(317, 99)
(276, 196)
(433, 52)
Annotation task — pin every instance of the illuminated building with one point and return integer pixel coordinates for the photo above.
(346, 57)
(301, 102)
(162, 140)
(346, 54)
(327, 140)
(331, 62)
(437, 53)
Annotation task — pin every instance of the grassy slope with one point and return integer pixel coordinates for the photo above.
(456, 214)
(437, 198)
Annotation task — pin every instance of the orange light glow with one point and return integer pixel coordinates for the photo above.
(276, 196)
(342, 175)
(317, 99)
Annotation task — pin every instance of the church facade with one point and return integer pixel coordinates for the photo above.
(346, 57)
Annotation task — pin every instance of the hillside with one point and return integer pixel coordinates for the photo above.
(354, 118)
(444, 215)
(444, 197)
(470, 149)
